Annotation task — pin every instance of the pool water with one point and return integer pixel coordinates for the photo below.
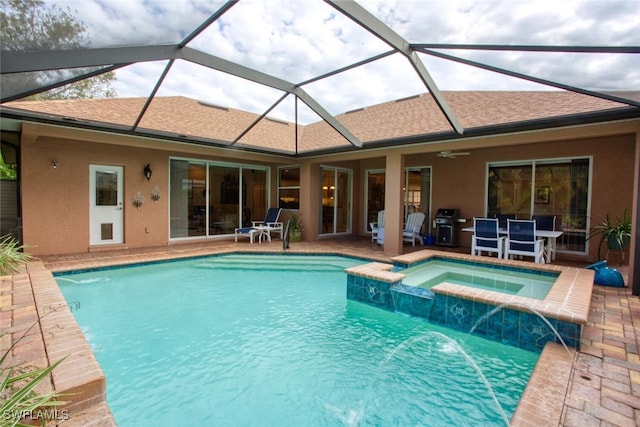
(262, 340)
(530, 284)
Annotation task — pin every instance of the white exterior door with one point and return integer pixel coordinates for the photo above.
(106, 213)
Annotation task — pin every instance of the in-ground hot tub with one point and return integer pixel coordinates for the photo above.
(519, 320)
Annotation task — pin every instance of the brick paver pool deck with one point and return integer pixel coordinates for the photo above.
(602, 388)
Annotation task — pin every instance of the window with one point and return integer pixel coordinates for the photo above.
(289, 187)
(558, 187)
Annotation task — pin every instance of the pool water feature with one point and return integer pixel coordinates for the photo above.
(522, 282)
(271, 340)
(525, 321)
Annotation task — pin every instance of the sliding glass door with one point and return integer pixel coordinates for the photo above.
(417, 193)
(336, 201)
(558, 187)
(188, 199)
(209, 199)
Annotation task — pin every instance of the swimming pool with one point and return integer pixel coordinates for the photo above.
(522, 282)
(212, 341)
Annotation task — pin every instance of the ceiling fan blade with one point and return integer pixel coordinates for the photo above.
(452, 154)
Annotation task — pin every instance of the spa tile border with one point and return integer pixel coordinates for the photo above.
(568, 299)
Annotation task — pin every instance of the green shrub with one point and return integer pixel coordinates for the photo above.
(18, 400)
(12, 255)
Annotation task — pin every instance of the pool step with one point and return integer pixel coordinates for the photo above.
(319, 264)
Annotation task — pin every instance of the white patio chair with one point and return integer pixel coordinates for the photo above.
(376, 226)
(411, 231)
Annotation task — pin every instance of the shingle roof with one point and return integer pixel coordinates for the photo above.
(389, 121)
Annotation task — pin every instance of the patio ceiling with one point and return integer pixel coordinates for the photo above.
(358, 55)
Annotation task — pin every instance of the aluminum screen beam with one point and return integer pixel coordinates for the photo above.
(530, 48)
(45, 60)
(17, 62)
(247, 73)
(213, 18)
(8, 95)
(369, 22)
(527, 77)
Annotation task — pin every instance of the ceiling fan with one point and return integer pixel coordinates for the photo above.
(452, 154)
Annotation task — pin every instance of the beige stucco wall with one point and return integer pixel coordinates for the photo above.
(55, 201)
(460, 182)
(56, 209)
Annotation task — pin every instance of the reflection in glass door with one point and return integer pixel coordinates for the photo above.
(225, 192)
(188, 207)
(375, 196)
(254, 207)
(335, 200)
(418, 193)
(556, 188)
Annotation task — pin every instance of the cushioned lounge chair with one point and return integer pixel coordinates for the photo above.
(262, 228)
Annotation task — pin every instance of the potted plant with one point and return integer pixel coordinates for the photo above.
(616, 233)
(295, 227)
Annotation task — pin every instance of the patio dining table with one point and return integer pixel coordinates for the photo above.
(551, 235)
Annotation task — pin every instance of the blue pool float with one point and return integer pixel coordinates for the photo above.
(606, 276)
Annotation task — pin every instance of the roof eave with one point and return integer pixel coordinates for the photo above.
(602, 116)
(21, 115)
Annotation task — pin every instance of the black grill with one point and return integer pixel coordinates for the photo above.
(447, 227)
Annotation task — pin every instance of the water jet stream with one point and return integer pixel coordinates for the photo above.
(407, 343)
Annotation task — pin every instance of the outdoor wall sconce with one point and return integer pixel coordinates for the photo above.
(147, 172)
(138, 200)
(54, 164)
(155, 194)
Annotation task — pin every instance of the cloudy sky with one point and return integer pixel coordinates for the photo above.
(298, 40)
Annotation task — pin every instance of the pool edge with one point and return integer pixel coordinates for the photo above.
(537, 372)
(79, 377)
(542, 401)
